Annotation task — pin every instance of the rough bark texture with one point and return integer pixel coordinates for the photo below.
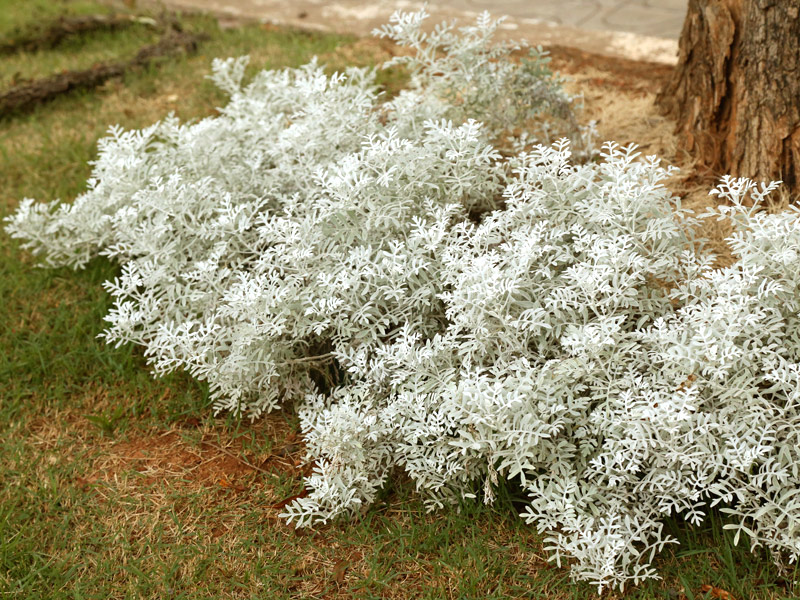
(735, 93)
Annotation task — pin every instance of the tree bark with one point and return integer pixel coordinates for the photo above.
(735, 93)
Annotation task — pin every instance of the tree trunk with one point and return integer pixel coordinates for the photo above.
(735, 93)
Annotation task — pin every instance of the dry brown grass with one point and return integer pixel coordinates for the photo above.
(196, 484)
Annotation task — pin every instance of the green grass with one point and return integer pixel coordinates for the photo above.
(15, 15)
(119, 485)
(77, 54)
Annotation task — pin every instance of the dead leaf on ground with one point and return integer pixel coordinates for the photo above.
(716, 592)
(339, 569)
(228, 485)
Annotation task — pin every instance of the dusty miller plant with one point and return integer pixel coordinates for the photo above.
(431, 304)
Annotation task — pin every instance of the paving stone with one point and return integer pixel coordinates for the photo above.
(641, 19)
(660, 18)
(676, 5)
(636, 29)
(565, 12)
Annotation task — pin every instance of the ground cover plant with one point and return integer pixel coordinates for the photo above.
(458, 255)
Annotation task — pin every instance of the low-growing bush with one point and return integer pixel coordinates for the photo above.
(432, 304)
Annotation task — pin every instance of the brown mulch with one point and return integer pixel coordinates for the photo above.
(626, 74)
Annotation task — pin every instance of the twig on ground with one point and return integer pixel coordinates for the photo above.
(26, 95)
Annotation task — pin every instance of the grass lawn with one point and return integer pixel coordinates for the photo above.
(117, 485)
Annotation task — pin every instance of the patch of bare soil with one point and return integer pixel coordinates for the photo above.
(199, 457)
(192, 455)
(168, 455)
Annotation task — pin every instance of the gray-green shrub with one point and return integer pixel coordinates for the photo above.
(477, 315)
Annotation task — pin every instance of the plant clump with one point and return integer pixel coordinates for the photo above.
(435, 293)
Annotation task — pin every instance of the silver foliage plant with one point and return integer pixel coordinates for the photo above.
(433, 305)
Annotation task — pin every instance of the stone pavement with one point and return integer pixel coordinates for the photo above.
(637, 29)
(657, 18)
